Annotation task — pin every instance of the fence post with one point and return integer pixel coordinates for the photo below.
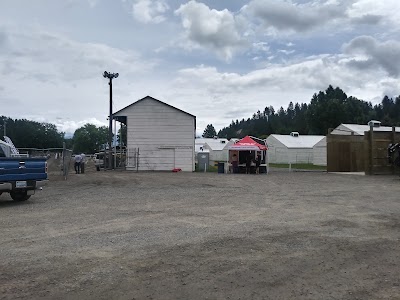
(64, 166)
(371, 153)
(137, 161)
(393, 141)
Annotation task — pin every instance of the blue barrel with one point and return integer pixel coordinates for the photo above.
(221, 167)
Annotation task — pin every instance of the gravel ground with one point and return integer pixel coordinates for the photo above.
(121, 235)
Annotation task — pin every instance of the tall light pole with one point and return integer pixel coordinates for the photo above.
(110, 76)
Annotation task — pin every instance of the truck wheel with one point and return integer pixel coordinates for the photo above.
(97, 168)
(20, 196)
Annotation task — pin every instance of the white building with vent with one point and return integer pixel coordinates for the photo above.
(296, 148)
(356, 129)
(160, 137)
(217, 147)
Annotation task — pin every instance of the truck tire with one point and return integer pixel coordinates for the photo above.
(97, 168)
(20, 196)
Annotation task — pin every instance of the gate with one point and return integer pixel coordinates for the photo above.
(132, 158)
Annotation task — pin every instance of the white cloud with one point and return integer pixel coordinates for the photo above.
(55, 74)
(70, 125)
(47, 75)
(261, 47)
(370, 54)
(289, 16)
(149, 11)
(210, 28)
(233, 95)
(386, 11)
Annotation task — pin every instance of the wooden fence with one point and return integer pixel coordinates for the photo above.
(345, 153)
(376, 145)
(356, 153)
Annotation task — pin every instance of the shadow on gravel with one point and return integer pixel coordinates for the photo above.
(4, 202)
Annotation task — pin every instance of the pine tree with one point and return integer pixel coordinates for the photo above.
(209, 132)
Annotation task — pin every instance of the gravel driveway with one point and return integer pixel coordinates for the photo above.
(121, 235)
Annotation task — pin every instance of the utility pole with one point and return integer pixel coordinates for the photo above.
(5, 124)
(110, 76)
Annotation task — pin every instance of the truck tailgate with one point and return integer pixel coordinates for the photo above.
(12, 169)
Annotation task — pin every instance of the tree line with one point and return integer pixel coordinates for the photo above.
(327, 109)
(30, 134)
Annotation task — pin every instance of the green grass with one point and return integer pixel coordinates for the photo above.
(299, 166)
(209, 169)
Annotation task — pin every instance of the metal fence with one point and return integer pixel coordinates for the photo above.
(58, 159)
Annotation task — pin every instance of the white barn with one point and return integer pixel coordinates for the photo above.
(296, 148)
(160, 137)
(217, 147)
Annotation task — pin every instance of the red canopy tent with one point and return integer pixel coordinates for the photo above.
(247, 143)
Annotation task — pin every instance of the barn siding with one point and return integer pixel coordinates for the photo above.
(164, 135)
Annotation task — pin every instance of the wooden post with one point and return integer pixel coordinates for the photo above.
(393, 140)
(64, 153)
(137, 160)
(371, 152)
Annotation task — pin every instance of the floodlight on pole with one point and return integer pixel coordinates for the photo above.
(110, 76)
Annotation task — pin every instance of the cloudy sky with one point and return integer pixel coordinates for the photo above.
(219, 60)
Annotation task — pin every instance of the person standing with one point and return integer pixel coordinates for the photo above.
(77, 164)
(248, 163)
(234, 162)
(258, 163)
(83, 161)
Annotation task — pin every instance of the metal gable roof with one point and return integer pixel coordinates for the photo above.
(149, 97)
(214, 144)
(359, 129)
(302, 141)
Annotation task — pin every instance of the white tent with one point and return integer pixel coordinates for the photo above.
(295, 148)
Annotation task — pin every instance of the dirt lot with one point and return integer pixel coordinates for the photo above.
(119, 235)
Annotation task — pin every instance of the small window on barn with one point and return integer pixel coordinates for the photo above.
(374, 123)
(294, 134)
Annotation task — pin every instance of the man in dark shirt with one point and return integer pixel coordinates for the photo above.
(258, 163)
(248, 163)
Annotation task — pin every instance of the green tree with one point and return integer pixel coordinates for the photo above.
(210, 132)
(327, 109)
(30, 134)
(89, 138)
(122, 135)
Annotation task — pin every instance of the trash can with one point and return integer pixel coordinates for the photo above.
(221, 167)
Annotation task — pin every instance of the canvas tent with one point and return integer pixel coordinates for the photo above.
(296, 148)
(249, 146)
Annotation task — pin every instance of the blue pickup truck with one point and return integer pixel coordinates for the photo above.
(20, 176)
